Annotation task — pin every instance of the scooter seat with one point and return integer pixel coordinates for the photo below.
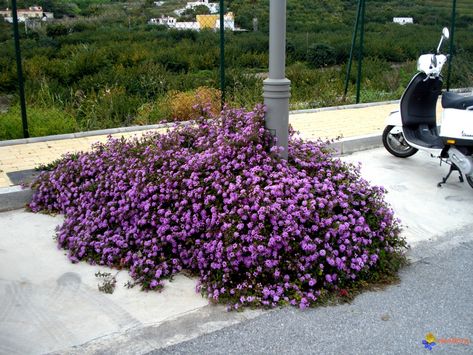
(459, 102)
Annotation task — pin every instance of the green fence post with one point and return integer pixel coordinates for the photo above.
(222, 53)
(353, 44)
(452, 44)
(21, 87)
(360, 54)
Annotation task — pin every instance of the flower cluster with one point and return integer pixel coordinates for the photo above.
(215, 199)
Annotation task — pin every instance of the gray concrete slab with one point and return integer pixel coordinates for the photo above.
(14, 197)
(23, 177)
(48, 304)
(425, 210)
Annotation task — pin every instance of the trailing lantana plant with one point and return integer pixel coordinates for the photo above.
(216, 200)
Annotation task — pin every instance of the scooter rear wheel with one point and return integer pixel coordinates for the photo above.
(396, 144)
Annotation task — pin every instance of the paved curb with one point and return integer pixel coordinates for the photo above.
(16, 197)
(357, 144)
(100, 132)
(132, 129)
(345, 107)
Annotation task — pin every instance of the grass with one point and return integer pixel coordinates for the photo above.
(41, 122)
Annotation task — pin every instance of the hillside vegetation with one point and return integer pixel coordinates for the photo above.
(103, 66)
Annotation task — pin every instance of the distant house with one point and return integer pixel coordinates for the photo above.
(159, 3)
(31, 13)
(163, 20)
(403, 20)
(171, 22)
(187, 26)
(213, 21)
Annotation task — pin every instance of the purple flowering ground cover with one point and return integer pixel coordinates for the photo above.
(213, 199)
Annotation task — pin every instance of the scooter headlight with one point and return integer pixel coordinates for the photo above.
(424, 63)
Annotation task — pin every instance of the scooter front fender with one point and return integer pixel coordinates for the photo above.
(394, 119)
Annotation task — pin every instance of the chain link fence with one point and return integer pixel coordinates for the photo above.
(101, 64)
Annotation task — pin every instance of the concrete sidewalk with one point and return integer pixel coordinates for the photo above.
(348, 122)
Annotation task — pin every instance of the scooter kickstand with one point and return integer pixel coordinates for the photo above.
(453, 168)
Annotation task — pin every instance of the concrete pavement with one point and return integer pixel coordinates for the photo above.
(425, 210)
(48, 304)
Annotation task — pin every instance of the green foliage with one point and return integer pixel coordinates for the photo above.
(110, 107)
(41, 122)
(190, 14)
(60, 8)
(321, 55)
(106, 66)
(55, 30)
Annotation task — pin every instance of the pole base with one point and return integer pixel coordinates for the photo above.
(276, 93)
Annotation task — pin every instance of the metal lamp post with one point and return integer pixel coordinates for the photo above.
(277, 88)
(222, 52)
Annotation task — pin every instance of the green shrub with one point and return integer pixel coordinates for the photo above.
(188, 105)
(110, 107)
(321, 55)
(55, 30)
(153, 112)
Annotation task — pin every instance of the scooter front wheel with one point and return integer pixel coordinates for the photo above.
(469, 178)
(394, 142)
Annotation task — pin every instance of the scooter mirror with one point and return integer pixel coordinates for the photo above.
(446, 33)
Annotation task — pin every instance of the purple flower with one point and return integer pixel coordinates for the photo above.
(215, 199)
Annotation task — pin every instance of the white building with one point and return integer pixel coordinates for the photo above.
(159, 3)
(202, 22)
(163, 20)
(187, 26)
(403, 20)
(32, 13)
(228, 22)
(171, 22)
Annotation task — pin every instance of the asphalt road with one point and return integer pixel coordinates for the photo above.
(434, 295)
